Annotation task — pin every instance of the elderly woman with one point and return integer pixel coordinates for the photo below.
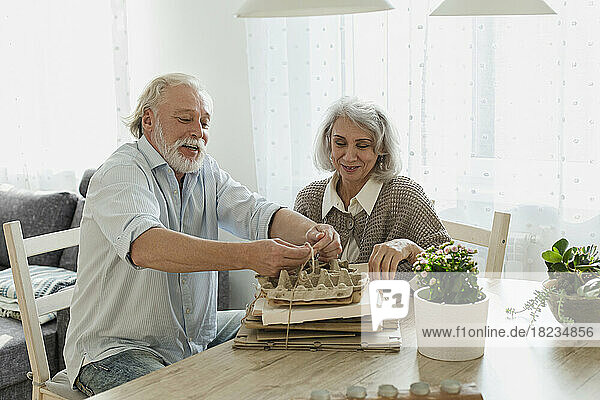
(382, 217)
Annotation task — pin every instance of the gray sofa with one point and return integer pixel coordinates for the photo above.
(39, 213)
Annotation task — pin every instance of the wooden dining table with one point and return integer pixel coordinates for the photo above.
(525, 370)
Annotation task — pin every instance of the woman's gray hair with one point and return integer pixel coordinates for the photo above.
(367, 116)
(152, 97)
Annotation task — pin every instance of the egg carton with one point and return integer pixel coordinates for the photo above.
(334, 282)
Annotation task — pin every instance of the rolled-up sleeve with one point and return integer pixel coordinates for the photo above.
(240, 211)
(123, 205)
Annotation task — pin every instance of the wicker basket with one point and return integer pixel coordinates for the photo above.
(580, 309)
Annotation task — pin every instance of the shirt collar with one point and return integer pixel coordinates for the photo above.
(152, 156)
(366, 197)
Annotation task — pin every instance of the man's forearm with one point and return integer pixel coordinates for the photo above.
(290, 226)
(171, 251)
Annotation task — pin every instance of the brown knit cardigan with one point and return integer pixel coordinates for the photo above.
(402, 211)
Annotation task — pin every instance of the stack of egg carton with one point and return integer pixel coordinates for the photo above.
(321, 306)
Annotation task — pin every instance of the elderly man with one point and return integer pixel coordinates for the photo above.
(147, 278)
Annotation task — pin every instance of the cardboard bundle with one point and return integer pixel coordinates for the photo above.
(331, 313)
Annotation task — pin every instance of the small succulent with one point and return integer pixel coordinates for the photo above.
(572, 267)
(577, 273)
(561, 258)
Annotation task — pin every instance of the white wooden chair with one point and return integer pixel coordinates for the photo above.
(19, 249)
(494, 239)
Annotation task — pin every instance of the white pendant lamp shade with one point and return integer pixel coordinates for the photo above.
(492, 7)
(304, 8)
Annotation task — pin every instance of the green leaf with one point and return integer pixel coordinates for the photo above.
(551, 256)
(559, 267)
(568, 255)
(561, 246)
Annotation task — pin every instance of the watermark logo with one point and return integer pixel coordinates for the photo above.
(389, 300)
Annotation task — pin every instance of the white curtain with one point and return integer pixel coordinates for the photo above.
(495, 113)
(64, 85)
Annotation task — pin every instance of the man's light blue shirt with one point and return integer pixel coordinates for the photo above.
(117, 306)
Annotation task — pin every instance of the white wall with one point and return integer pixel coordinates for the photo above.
(57, 99)
(201, 38)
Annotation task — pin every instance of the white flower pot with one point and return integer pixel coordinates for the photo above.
(463, 324)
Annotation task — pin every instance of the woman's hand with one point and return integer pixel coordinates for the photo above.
(385, 257)
(325, 241)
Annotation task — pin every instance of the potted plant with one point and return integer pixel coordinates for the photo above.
(450, 303)
(573, 289)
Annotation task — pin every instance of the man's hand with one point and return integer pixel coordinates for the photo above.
(268, 257)
(386, 256)
(325, 241)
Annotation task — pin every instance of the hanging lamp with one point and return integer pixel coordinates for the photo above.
(492, 7)
(304, 8)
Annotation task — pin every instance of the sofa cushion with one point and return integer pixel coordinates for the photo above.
(21, 391)
(44, 280)
(13, 352)
(39, 213)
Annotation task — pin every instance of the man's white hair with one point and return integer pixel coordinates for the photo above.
(153, 94)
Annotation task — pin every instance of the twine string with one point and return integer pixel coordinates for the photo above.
(287, 329)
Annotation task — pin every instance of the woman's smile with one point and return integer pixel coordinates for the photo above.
(349, 169)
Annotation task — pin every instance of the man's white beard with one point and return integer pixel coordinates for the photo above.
(171, 154)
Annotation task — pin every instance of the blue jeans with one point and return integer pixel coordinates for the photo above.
(96, 377)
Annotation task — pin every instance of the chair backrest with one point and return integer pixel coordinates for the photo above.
(18, 251)
(494, 239)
